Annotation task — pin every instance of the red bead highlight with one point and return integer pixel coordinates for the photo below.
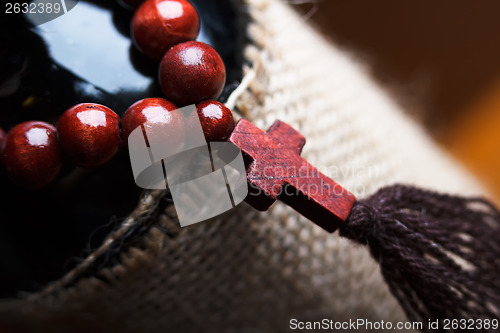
(192, 72)
(157, 112)
(31, 154)
(89, 134)
(216, 120)
(160, 24)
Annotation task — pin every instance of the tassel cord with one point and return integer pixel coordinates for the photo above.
(440, 254)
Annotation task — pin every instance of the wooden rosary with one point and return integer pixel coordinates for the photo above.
(190, 72)
(419, 237)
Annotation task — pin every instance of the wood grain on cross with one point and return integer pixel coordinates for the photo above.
(276, 171)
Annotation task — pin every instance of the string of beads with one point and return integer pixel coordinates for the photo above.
(89, 134)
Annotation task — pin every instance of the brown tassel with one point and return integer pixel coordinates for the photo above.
(440, 254)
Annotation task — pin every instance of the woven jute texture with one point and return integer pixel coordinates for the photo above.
(248, 271)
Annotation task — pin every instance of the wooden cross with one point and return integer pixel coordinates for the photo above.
(276, 171)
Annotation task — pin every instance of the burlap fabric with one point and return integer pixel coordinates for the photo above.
(248, 271)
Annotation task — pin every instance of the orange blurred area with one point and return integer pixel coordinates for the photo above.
(474, 138)
(439, 59)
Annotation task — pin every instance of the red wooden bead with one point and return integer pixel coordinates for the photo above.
(157, 112)
(31, 154)
(89, 134)
(216, 120)
(160, 24)
(192, 72)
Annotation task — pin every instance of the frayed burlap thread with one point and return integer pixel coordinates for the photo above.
(247, 271)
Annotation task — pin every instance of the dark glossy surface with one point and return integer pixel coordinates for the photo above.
(89, 134)
(45, 233)
(216, 120)
(154, 111)
(31, 155)
(192, 72)
(160, 24)
(45, 70)
(130, 4)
